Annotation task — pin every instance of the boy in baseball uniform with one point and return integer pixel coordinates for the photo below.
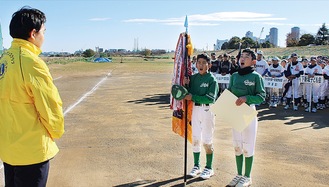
(313, 89)
(203, 90)
(275, 70)
(248, 86)
(261, 67)
(293, 71)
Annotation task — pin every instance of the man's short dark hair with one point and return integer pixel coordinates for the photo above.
(204, 56)
(24, 21)
(249, 51)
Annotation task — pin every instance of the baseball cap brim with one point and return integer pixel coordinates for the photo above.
(178, 92)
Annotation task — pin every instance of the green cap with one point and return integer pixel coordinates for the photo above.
(178, 92)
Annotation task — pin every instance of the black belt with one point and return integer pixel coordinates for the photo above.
(199, 104)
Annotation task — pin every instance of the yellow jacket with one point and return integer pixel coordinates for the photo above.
(31, 113)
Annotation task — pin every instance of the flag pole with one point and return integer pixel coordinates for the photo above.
(186, 108)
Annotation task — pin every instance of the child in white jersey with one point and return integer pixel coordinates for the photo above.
(292, 73)
(312, 89)
(275, 71)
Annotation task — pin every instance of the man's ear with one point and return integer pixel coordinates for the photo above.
(254, 62)
(209, 65)
(32, 34)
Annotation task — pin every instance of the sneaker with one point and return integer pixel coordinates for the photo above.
(321, 106)
(314, 110)
(207, 173)
(244, 182)
(274, 105)
(295, 108)
(234, 181)
(286, 107)
(195, 171)
(307, 109)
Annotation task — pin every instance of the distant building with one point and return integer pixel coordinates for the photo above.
(273, 38)
(295, 33)
(219, 44)
(99, 50)
(267, 38)
(250, 34)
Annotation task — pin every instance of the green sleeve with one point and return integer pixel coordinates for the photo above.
(231, 83)
(210, 96)
(260, 93)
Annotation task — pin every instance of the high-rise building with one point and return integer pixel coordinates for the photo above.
(273, 38)
(219, 44)
(295, 32)
(250, 34)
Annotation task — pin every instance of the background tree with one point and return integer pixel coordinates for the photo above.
(146, 52)
(267, 44)
(233, 43)
(322, 36)
(306, 39)
(224, 46)
(88, 53)
(247, 42)
(291, 41)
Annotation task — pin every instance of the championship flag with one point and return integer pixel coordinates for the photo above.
(179, 72)
(182, 114)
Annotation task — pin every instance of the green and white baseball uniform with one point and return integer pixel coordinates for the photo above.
(249, 84)
(204, 89)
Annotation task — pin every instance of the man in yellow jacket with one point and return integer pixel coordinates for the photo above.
(30, 106)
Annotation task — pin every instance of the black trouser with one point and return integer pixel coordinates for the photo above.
(26, 176)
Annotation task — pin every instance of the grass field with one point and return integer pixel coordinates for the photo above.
(305, 51)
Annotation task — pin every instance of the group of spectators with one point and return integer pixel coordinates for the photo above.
(312, 94)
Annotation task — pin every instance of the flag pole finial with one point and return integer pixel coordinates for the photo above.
(186, 23)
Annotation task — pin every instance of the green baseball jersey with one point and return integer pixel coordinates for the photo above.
(250, 85)
(204, 88)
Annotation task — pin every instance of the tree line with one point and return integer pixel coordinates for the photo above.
(320, 38)
(246, 42)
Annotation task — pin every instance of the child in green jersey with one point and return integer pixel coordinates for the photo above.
(248, 86)
(203, 89)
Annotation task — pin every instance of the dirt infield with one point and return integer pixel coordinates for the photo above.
(120, 134)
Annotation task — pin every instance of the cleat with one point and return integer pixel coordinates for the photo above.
(314, 110)
(234, 181)
(195, 171)
(244, 182)
(207, 173)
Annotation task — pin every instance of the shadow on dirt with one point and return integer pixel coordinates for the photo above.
(161, 183)
(163, 100)
(318, 120)
(136, 183)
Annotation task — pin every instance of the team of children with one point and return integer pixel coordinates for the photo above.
(247, 83)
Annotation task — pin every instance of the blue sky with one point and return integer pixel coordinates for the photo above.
(112, 24)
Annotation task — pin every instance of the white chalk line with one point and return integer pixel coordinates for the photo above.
(57, 78)
(86, 94)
